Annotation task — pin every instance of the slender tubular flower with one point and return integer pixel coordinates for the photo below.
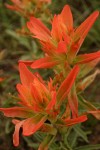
(39, 102)
(63, 42)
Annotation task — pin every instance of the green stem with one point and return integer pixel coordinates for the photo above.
(65, 147)
(65, 143)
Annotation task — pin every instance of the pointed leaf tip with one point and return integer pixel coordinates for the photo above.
(38, 29)
(25, 75)
(80, 34)
(45, 62)
(67, 84)
(67, 17)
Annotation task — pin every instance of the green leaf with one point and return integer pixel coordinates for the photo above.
(81, 133)
(89, 147)
(8, 127)
(30, 143)
(73, 139)
(22, 40)
(86, 104)
(46, 142)
(39, 137)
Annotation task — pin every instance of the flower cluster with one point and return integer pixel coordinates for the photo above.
(40, 102)
(61, 46)
(28, 7)
(63, 42)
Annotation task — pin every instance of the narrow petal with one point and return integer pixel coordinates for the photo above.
(39, 92)
(25, 95)
(48, 48)
(27, 62)
(84, 28)
(39, 30)
(86, 58)
(46, 62)
(73, 102)
(16, 132)
(80, 34)
(67, 112)
(52, 102)
(36, 94)
(16, 112)
(41, 86)
(56, 32)
(33, 124)
(62, 24)
(62, 48)
(95, 113)
(67, 18)
(67, 84)
(70, 122)
(25, 75)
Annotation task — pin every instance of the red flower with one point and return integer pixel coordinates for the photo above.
(63, 42)
(1, 79)
(39, 102)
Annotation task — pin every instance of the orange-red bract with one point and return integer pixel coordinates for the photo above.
(39, 102)
(63, 42)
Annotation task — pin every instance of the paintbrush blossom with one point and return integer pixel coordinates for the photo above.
(53, 105)
(27, 7)
(39, 103)
(63, 42)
